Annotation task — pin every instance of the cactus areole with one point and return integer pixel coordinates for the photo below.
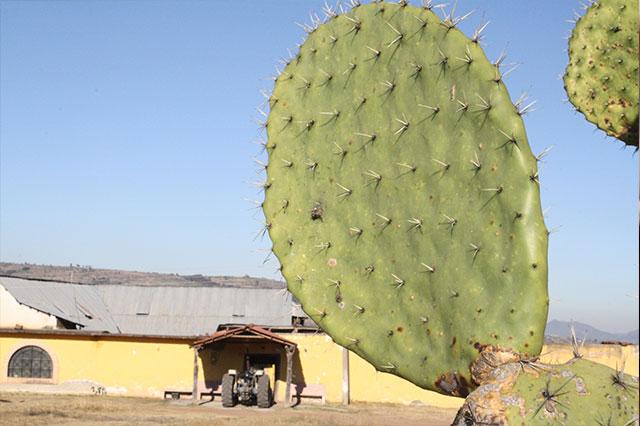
(402, 197)
(601, 79)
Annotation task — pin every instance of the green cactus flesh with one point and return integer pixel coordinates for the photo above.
(602, 76)
(402, 196)
(579, 392)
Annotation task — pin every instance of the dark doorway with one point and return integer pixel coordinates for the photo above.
(270, 363)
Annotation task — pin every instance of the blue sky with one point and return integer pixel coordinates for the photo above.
(126, 129)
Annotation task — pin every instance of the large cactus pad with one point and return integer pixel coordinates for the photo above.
(578, 393)
(602, 76)
(402, 197)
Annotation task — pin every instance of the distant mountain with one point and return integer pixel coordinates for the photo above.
(87, 275)
(561, 331)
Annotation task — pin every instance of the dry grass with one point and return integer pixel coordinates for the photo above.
(41, 409)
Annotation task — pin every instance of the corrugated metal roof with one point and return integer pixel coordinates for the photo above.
(76, 303)
(168, 311)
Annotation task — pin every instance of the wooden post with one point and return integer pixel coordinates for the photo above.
(194, 391)
(345, 376)
(290, 350)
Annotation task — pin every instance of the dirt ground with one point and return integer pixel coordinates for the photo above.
(40, 409)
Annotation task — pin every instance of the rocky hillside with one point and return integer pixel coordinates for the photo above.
(88, 275)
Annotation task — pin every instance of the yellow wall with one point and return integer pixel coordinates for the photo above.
(122, 367)
(148, 368)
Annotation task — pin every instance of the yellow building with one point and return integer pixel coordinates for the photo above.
(137, 364)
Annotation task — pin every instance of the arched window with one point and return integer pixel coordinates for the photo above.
(30, 362)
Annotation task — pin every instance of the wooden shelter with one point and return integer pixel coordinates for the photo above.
(245, 334)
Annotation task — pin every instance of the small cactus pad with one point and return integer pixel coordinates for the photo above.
(402, 196)
(602, 76)
(577, 393)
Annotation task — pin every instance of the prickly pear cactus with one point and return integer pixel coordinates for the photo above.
(602, 76)
(579, 392)
(402, 196)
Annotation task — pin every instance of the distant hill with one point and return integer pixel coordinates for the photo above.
(561, 331)
(88, 275)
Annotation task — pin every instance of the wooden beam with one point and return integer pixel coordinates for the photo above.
(345, 376)
(194, 391)
(290, 350)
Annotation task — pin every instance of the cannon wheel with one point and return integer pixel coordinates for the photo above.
(264, 392)
(228, 398)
